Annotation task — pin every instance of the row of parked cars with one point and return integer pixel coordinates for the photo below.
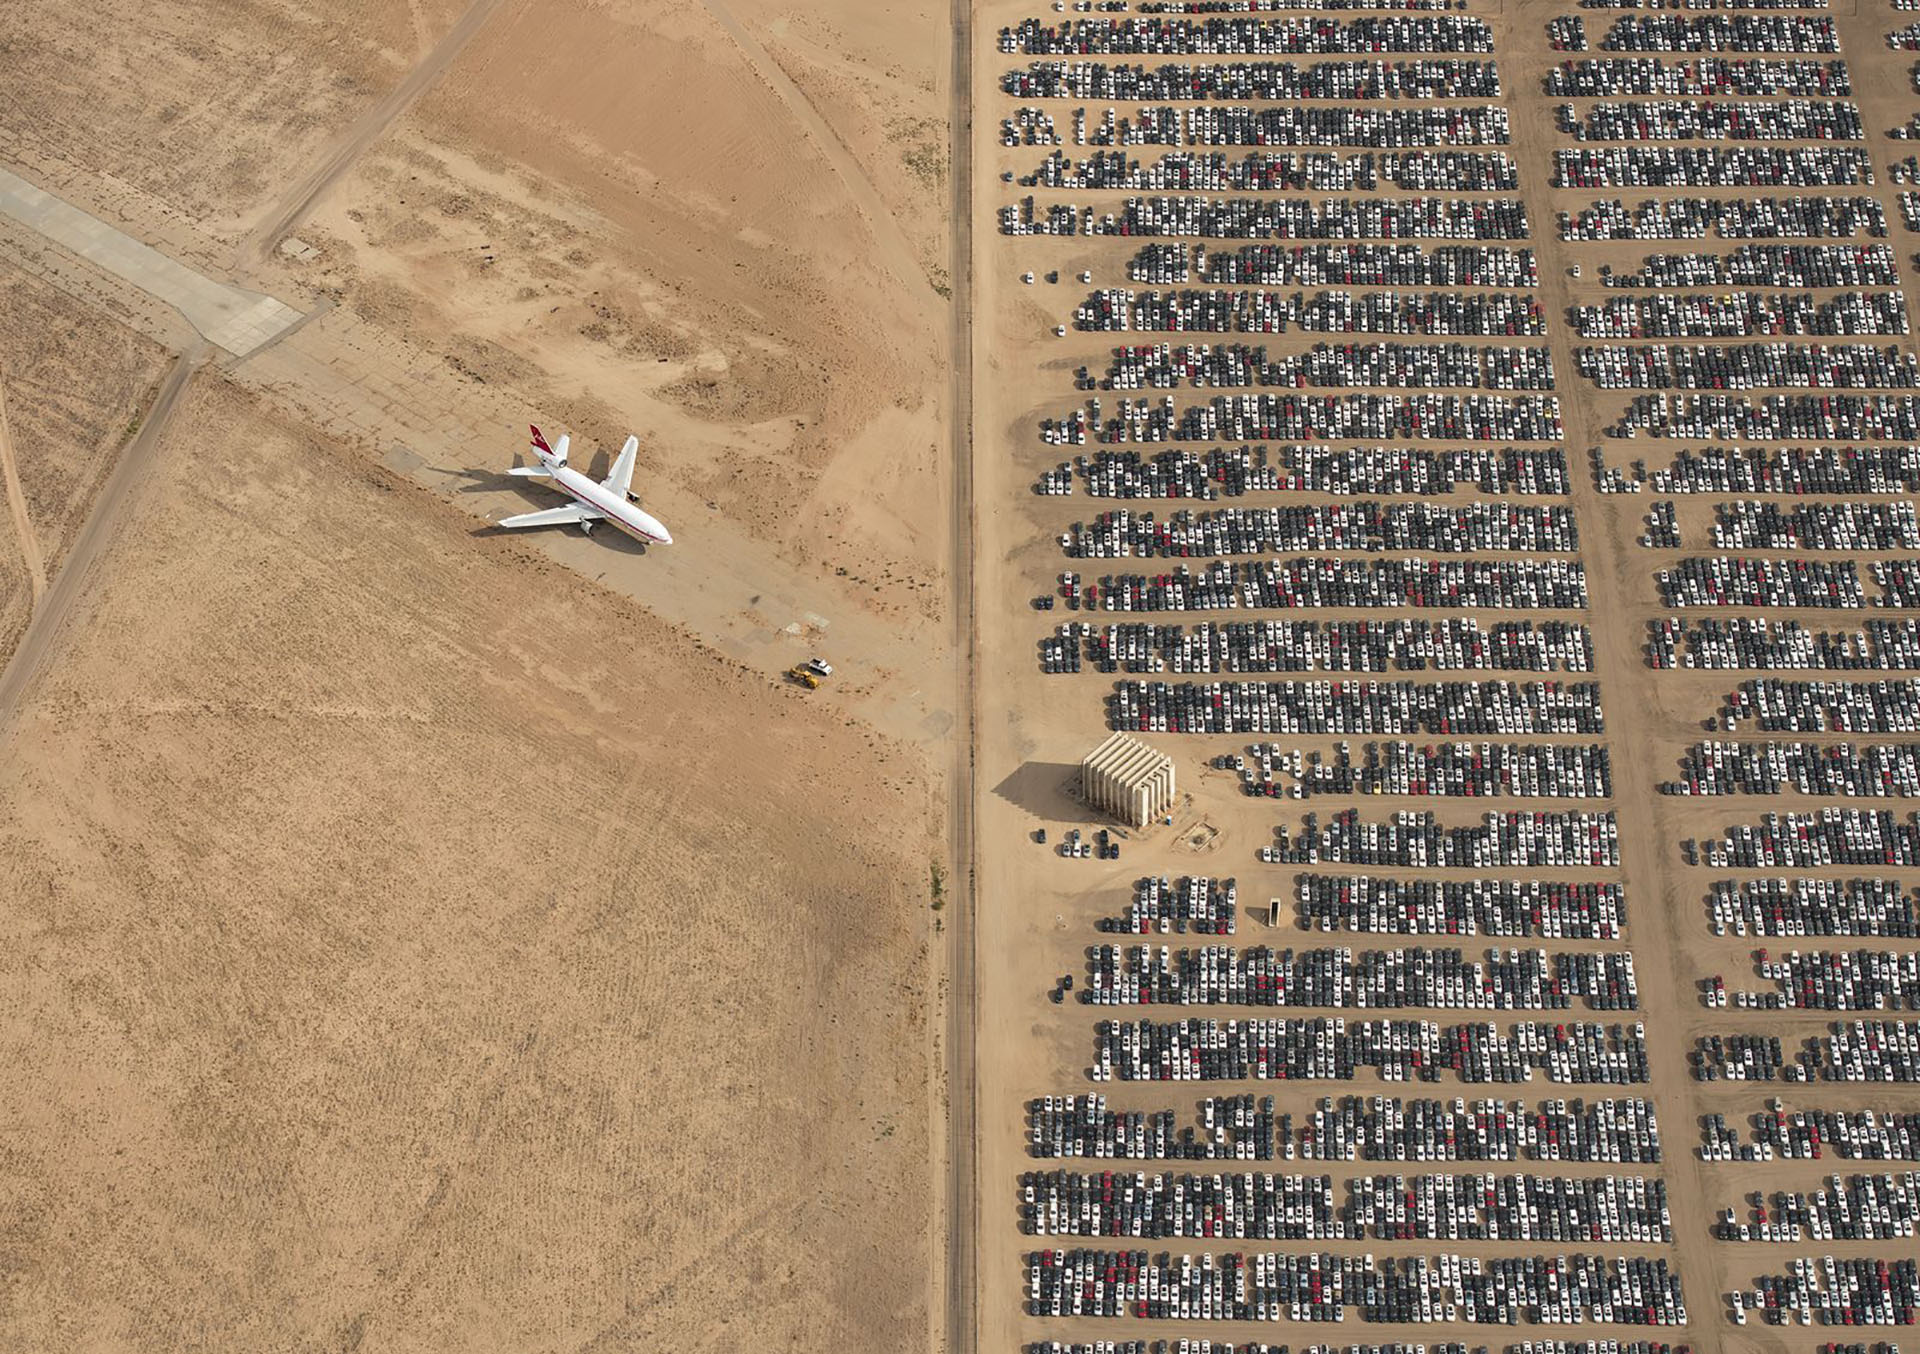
(1835, 1292)
(1738, 314)
(1229, 472)
(1825, 836)
(1228, 1128)
(1335, 978)
(1266, 171)
(1416, 840)
(1265, 1286)
(1263, 1206)
(1831, 980)
(1491, 314)
(1351, 1128)
(1386, 1128)
(1712, 77)
(1468, 709)
(1752, 366)
(1326, 126)
(1343, 263)
(1785, 705)
(1332, 1048)
(1772, 217)
(1138, 82)
(1161, 905)
(1425, 906)
(1456, 770)
(1850, 1208)
(1278, 218)
(1479, 527)
(1166, 366)
(1755, 642)
(1833, 770)
(1771, 34)
(1811, 1134)
(1749, 581)
(1666, 166)
(1231, 34)
(1321, 581)
(1712, 120)
(1851, 1050)
(1773, 418)
(1455, 644)
(1768, 265)
(1752, 524)
(1813, 906)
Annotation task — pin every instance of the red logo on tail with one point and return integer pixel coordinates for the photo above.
(540, 441)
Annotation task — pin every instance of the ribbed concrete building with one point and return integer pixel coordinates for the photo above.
(1127, 779)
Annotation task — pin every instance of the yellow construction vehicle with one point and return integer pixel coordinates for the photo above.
(798, 673)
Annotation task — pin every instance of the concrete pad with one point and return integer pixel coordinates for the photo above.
(234, 318)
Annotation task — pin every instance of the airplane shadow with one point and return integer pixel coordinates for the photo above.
(1045, 790)
(494, 481)
(481, 481)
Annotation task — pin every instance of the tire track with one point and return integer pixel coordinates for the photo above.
(293, 205)
(17, 505)
(892, 240)
(116, 495)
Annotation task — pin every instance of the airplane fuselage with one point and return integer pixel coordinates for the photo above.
(620, 510)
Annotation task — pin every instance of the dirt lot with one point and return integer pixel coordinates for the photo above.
(759, 301)
(74, 383)
(416, 942)
(205, 120)
(400, 949)
(721, 226)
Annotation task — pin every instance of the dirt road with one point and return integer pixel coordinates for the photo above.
(53, 608)
(963, 1197)
(17, 507)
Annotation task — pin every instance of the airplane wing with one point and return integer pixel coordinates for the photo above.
(620, 478)
(553, 517)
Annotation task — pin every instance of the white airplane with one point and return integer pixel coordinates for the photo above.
(605, 500)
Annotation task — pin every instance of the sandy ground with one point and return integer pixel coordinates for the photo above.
(564, 229)
(204, 120)
(425, 938)
(631, 260)
(1039, 910)
(390, 956)
(75, 382)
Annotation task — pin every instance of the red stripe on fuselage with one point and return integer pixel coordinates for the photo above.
(639, 533)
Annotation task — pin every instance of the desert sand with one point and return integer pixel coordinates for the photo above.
(426, 937)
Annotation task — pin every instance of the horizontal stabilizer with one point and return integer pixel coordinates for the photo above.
(554, 517)
(538, 472)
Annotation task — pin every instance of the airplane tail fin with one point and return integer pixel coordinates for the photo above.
(558, 455)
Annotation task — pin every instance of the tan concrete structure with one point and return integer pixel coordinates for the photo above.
(1127, 779)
